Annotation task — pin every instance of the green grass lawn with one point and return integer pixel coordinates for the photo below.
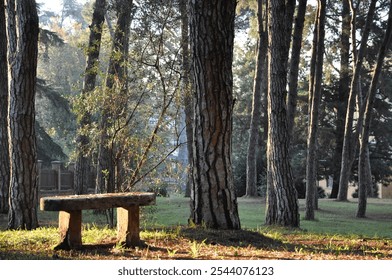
(332, 218)
(339, 218)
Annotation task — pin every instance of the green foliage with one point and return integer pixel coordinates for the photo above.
(55, 124)
(48, 38)
(47, 149)
(72, 9)
(144, 114)
(93, 233)
(138, 120)
(160, 190)
(60, 64)
(195, 248)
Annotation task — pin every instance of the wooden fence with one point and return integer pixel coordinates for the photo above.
(57, 178)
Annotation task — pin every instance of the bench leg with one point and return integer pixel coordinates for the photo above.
(70, 226)
(128, 226)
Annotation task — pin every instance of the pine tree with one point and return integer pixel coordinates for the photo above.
(213, 200)
(23, 47)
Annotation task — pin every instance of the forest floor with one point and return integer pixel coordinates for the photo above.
(336, 234)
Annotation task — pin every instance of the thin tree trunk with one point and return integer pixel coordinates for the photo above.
(311, 140)
(83, 161)
(213, 199)
(364, 171)
(110, 25)
(341, 102)
(289, 13)
(255, 124)
(282, 209)
(370, 186)
(294, 65)
(314, 104)
(4, 149)
(109, 165)
(364, 178)
(23, 149)
(350, 141)
(117, 71)
(186, 87)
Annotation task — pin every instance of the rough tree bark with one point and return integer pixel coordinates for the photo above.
(255, 124)
(314, 104)
(82, 166)
(350, 141)
(213, 200)
(4, 152)
(282, 209)
(22, 88)
(364, 172)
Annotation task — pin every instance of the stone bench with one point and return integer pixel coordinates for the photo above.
(70, 215)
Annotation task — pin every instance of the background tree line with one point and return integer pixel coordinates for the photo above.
(342, 22)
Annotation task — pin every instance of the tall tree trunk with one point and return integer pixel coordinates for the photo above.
(23, 152)
(314, 104)
(213, 199)
(289, 13)
(83, 161)
(4, 152)
(294, 65)
(255, 124)
(116, 77)
(364, 172)
(341, 102)
(271, 202)
(364, 177)
(283, 208)
(187, 93)
(350, 141)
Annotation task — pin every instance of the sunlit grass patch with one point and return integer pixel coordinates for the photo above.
(24, 244)
(94, 234)
(21, 238)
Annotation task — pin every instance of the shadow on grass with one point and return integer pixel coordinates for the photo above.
(231, 238)
(293, 244)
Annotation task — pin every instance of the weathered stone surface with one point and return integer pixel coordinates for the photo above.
(128, 226)
(96, 201)
(70, 216)
(70, 227)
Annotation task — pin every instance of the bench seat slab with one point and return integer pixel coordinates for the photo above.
(96, 201)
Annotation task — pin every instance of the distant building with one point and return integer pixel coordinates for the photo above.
(386, 191)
